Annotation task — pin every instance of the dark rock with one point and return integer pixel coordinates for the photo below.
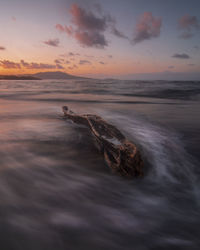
(121, 155)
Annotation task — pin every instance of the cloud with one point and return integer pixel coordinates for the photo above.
(73, 67)
(83, 62)
(2, 48)
(187, 24)
(181, 56)
(58, 66)
(118, 33)
(67, 62)
(110, 56)
(13, 18)
(70, 67)
(6, 64)
(101, 62)
(52, 42)
(60, 27)
(147, 27)
(171, 67)
(186, 35)
(91, 39)
(71, 54)
(68, 29)
(34, 65)
(58, 61)
(191, 64)
(88, 28)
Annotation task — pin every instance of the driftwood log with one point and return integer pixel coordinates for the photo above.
(121, 155)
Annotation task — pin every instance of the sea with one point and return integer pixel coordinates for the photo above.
(56, 191)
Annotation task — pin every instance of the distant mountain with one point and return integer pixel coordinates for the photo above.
(55, 75)
(41, 76)
(21, 77)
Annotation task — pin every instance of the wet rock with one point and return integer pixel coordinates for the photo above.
(121, 155)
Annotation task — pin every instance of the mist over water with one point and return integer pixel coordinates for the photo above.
(56, 190)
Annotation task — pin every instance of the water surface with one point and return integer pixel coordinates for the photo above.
(56, 190)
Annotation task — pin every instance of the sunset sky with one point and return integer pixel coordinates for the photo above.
(107, 38)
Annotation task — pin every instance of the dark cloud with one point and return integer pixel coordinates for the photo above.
(2, 48)
(88, 27)
(188, 24)
(191, 64)
(196, 47)
(52, 42)
(118, 33)
(110, 56)
(67, 62)
(87, 20)
(171, 67)
(186, 35)
(58, 66)
(91, 39)
(83, 62)
(6, 64)
(101, 62)
(147, 27)
(181, 56)
(58, 61)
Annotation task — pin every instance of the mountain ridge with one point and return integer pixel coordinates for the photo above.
(42, 76)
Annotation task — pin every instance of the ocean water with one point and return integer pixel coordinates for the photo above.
(56, 192)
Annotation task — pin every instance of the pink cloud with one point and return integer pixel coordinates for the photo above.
(60, 27)
(188, 24)
(68, 29)
(2, 48)
(147, 27)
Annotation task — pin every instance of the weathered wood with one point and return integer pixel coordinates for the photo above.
(121, 155)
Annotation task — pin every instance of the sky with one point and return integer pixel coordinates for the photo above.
(127, 39)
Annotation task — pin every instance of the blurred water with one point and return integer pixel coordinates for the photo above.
(57, 192)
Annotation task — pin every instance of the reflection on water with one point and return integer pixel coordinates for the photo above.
(57, 192)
